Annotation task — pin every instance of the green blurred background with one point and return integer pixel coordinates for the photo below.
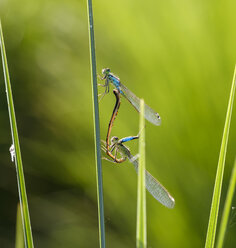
(178, 55)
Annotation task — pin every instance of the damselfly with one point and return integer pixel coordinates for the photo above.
(154, 187)
(113, 116)
(150, 114)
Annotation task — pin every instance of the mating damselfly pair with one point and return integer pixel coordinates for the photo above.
(156, 189)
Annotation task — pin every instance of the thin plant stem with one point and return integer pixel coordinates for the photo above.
(211, 231)
(19, 230)
(16, 149)
(227, 207)
(141, 234)
(96, 127)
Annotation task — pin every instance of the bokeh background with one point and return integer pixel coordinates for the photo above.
(178, 55)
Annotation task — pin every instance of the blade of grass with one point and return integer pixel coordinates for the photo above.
(96, 127)
(211, 231)
(141, 234)
(227, 207)
(15, 141)
(19, 229)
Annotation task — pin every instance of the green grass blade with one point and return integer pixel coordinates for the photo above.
(15, 140)
(19, 229)
(141, 234)
(96, 127)
(211, 231)
(227, 207)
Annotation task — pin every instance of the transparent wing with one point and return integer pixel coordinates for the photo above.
(155, 188)
(150, 114)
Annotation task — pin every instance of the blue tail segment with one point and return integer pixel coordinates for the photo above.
(128, 139)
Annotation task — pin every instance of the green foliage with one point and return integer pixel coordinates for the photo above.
(176, 55)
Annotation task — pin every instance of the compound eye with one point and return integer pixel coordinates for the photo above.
(115, 138)
(105, 71)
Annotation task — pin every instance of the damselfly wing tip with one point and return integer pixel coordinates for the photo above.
(172, 202)
(158, 120)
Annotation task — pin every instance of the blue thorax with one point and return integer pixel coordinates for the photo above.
(115, 81)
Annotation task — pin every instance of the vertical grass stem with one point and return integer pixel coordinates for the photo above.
(17, 153)
(141, 234)
(211, 231)
(96, 127)
(227, 207)
(19, 229)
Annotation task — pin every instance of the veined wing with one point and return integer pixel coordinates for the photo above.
(150, 114)
(158, 191)
(155, 188)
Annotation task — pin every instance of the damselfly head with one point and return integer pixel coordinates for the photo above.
(114, 140)
(105, 71)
